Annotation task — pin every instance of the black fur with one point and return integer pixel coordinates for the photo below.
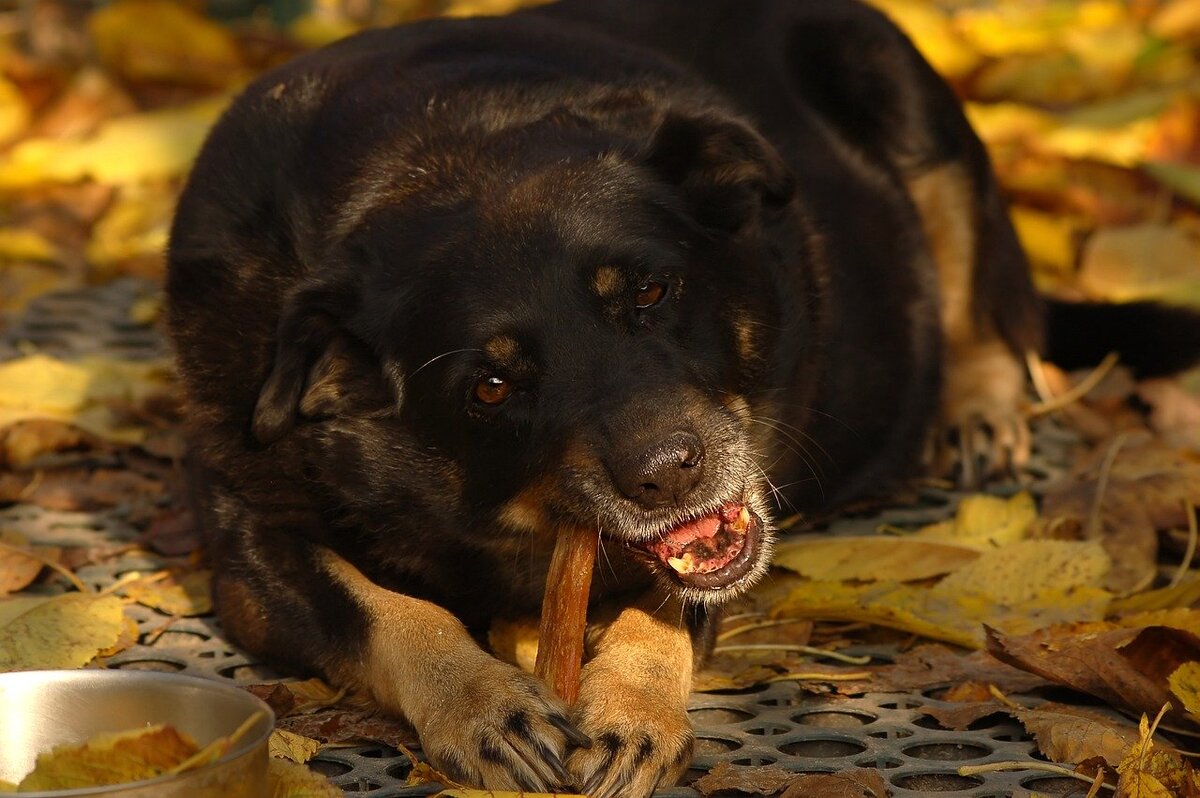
(375, 227)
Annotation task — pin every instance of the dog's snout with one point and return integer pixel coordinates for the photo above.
(662, 474)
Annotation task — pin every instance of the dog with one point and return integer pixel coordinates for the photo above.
(662, 269)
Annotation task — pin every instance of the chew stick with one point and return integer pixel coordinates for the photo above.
(564, 610)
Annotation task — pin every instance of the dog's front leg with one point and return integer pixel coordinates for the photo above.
(633, 702)
(481, 721)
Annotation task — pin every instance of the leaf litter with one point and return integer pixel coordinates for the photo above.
(1091, 113)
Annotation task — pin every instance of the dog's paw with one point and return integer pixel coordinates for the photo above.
(981, 432)
(641, 738)
(499, 728)
(983, 446)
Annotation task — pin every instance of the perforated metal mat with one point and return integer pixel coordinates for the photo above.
(779, 724)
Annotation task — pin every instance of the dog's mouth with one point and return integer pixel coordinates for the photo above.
(712, 551)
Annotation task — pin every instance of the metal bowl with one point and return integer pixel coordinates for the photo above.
(42, 709)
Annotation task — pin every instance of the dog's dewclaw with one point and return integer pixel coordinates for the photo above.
(564, 610)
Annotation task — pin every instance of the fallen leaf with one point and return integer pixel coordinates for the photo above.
(18, 570)
(759, 780)
(166, 141)
(110, 759)
(871, 557)
(1029, 572)
(334, 726)
(22, 443)
(1184, 682)
(65, 631)
(1142, 262)
(292, 747)
(183, 593)
(860, 783)
(1127, 668)
(1070, 735)
(1148, 771)
(80, 392)
(161, 40)
(985, 521)
(960, 718)
(931, 665)
(290, 780)
(296, 698)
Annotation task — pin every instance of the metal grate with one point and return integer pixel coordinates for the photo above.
(779, 724)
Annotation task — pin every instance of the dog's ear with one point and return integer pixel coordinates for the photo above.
(319, 370)
(729, 173)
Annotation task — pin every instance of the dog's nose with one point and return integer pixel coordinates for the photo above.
(664, 473)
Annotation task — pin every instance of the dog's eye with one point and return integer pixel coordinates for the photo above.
(650, 293)
(492, 390)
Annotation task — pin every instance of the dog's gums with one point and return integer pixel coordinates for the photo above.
(712, 551)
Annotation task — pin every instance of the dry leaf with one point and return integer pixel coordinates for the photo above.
(66, 631)
(759, 779)
(179, 592)
(110, 759)
(1148, 771)
(960, 718)
(1127, 668)
(931, 666)
(166, 142)
(871, 557)
(846, 784)
(18, 570)
(296, 698)
(985, 521)
(1184, 682)
(290, 780)
(333, 726)
(1070, 735)
(292, 747)
(161, 40)
(1142, 262)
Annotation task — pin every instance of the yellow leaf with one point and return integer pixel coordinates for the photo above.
(1017, 589)
(1176, 19)
(1185, 685)
(289, 780)
(66, 631)
(315, 30)
(985, 521)
(872, 558)
(165, 142)
(1144, 261)
(17, 570)
(465, 793)
(110, 759)
(1184, 618)
(1049, 239)
(135, 226)
(292, 747)
(164, 40)
(186, 593)
(18, 243)
(79, 392)
(14, 111)
(1184, 594)
(933, 33)
(1022, 572)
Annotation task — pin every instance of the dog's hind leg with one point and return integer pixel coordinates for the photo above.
(989, 318)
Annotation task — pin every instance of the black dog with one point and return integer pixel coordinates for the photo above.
(655, 267)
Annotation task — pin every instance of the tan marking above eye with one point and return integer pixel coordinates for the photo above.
(607, 281)
(502, 349)
(492, 390)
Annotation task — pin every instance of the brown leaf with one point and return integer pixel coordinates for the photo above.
(1127, 668)
(932, 665)
(960, 718)
(861, 783)
(296, 698)
(18, 570)
(1145, 490)
(22, 443)
(349, 726)
(761, 780)
(176, 592)
(1070, 735)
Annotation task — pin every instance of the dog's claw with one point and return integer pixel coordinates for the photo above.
(574, 736)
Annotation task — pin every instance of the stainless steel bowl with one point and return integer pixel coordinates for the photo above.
(42, 709)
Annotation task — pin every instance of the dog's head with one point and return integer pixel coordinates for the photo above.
(570, 327)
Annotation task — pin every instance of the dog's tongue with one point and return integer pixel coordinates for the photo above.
(705, 544)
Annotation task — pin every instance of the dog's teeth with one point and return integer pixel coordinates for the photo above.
(742, 522)
(684, 565)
